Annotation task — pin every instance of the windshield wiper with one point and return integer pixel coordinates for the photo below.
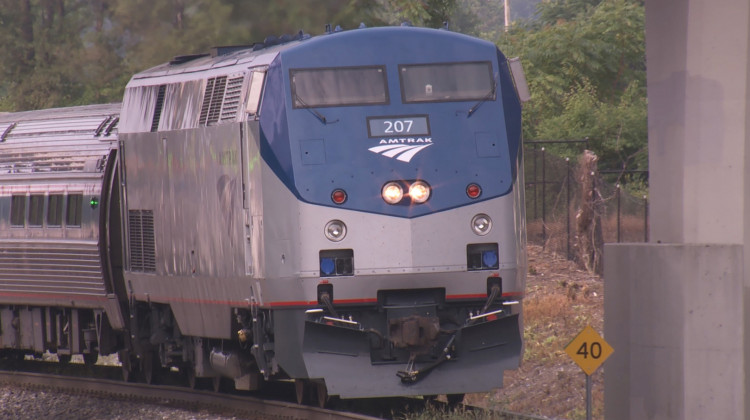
(317, 114)
(486, 97)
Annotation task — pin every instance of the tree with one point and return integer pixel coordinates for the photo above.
(68, 52)
(587, 77)
(154, 31)
(427, 13)
(554, 11)
(277, 17)
(37, 39)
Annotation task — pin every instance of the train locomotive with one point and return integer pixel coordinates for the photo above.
(344, 211)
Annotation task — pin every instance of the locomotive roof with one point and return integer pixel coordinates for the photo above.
(220, 61)
(224, 60)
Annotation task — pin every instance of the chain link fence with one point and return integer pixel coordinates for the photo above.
(554, 196)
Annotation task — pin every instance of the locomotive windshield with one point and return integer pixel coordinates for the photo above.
(339, 86)
(446, 82)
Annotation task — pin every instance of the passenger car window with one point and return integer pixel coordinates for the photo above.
(447, 82)
(339, 86)
(54, 209)
(36, 210)
(18, 210)
(73, 210)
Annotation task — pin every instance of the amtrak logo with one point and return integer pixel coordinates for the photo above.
(402, 149)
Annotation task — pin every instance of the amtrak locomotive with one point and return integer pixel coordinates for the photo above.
(345, 211)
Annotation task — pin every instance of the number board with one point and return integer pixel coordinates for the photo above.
(400, 126)
(589, 350)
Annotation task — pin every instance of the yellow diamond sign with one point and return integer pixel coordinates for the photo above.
(589, 350)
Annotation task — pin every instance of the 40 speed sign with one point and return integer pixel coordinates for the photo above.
(589, 350)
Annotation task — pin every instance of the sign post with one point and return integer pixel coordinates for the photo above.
(589, 350)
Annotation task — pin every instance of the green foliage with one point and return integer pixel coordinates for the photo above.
(276, 17)
(428, 13)
(553, 11)
(68, 52)
(585, 66)
(480, 18)
(38, 40)
(153, 31)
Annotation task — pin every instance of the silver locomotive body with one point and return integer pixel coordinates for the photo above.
(219, 168)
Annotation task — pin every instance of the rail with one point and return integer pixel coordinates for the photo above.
(70, 382)
(247, 407)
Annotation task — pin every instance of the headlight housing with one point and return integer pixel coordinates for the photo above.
(335, 230)
(419, 192)
(392, 192)
(481, 224)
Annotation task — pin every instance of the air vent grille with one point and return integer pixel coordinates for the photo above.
(141, 240)
(232, 99)
(158, 108)
(206, 101)
(212, 99)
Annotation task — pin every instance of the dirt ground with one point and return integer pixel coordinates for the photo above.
(561, 299)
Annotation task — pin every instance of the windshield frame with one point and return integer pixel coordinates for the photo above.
(300, 102)
(488, 95)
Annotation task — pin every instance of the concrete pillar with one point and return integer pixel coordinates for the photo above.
(677, 310)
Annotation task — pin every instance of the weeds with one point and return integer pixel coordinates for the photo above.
(460, 413)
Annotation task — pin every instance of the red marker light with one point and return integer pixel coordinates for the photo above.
(473, 191)
(338, 196)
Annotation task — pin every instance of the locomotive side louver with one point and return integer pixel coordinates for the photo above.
(212, 99)
(141, 240)
(158, 108)
(232, 99)
(206, 101)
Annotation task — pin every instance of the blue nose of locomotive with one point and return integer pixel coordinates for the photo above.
(403, 134)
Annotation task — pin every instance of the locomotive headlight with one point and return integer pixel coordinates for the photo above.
(392, 193)
(481, 224)
(419, 192)
(335, 230)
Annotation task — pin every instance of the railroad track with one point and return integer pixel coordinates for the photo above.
(238, 406)
(241, 406)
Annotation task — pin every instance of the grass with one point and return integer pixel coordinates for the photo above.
(542, 316)
(436, 413)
